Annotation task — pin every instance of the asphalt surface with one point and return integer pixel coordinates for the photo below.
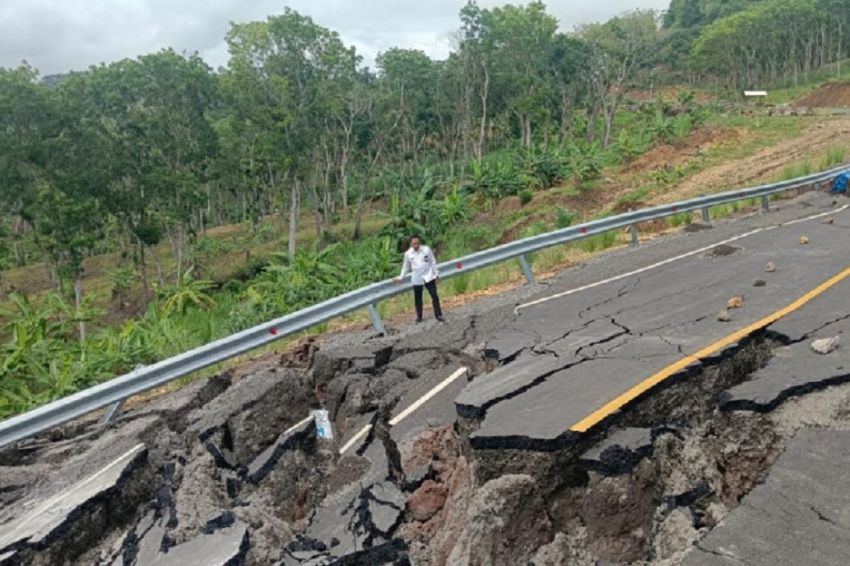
(799, 515)
(220, 471)
(584, 350)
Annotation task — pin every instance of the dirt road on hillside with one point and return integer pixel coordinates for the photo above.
(765, 165)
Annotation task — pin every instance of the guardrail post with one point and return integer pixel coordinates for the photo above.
(526, 268)
(706, 215)
(113, 411)
(765, 203)
(635, 238)
(377, 323)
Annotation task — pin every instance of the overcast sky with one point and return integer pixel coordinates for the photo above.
(56, 36)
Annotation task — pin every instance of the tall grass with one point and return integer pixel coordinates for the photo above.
(598, 242)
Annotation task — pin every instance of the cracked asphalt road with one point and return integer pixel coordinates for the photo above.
(228, 470)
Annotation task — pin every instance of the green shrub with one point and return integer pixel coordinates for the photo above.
(525, 197)
(584, 162)
(547, 165)
(565, 218)
(121, 279)
(499, 176)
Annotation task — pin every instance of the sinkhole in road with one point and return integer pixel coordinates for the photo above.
(217, 471)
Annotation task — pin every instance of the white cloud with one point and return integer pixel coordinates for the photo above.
(60, 35)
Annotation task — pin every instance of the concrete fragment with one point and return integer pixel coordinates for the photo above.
(829, 221)
(723, 316)
(825, 345)
(759, 283)
(735, 302)
(770, 267)
(804, 240)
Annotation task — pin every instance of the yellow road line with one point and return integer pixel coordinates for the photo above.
(616, 404)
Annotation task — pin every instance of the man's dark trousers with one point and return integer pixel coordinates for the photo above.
(435, 300)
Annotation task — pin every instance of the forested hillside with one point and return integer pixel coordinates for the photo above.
(132, 167)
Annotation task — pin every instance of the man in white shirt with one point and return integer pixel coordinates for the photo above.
(420, 263)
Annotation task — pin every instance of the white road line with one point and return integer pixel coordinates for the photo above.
(409, 410)
(74, 489)
(360, 434)
(672, 259)
(298, 424)
(424, 399)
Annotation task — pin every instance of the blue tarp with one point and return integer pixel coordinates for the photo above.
(840, 184)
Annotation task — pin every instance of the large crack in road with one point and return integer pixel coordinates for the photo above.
(230, 470)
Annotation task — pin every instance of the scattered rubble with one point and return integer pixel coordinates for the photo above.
(770, 267)
(804, 240)
(723, 315)
(825, 345)
(735, 303)
(759, 283)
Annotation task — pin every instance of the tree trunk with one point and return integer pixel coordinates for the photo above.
(317, 214)
(294, 212)
(143, 271)
(358, 216)
(482, 133)
(78, 303)
(343, 178)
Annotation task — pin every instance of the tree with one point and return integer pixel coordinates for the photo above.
(617, 48)
(298, 69)
(524, 37)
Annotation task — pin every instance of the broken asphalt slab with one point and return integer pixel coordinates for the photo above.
(51, 517)
(630, 330)
(795, 369)
(265, 462)
(799, 515)
(620, 452)
(222, 548)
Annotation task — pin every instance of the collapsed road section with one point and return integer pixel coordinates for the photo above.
(496, 438)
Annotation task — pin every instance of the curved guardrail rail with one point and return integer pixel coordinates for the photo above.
(113, 393)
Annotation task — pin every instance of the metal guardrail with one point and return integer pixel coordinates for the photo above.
(113, 393)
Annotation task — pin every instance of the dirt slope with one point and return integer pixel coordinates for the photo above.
(836, 95)
(764, 165)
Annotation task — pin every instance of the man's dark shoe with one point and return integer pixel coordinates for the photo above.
(418, 320)
(440, 319)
